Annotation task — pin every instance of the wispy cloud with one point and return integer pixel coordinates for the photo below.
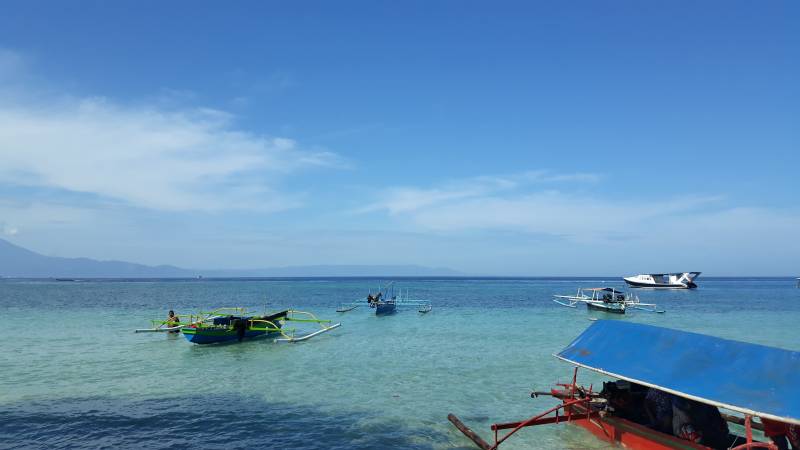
(579, 217)
(148, 156)
(405, 199)
(537, 202)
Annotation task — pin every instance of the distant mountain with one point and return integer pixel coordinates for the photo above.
(18, 262)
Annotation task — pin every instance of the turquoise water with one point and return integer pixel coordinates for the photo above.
(75, 375)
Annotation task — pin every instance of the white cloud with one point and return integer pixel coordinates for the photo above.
(529, 227)
(399, 200)
(148, 157)
(552, 212)
(527, 202)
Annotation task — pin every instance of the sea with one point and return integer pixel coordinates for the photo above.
(73, 374)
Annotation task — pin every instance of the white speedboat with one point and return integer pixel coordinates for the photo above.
(679, 280)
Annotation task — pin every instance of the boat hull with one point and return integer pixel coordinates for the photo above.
(639, 284)
(226, 329)
(605, 309)
(628, 434)
(213, 336)
(384, 309)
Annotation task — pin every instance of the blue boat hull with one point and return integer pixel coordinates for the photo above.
(606, 309)
(229, 329)
(205, 337)
(384, 309)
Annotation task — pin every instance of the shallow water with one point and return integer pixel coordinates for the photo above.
(75, 375)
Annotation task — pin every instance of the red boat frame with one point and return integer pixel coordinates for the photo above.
(575, 408)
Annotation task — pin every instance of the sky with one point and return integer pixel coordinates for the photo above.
(493, 138)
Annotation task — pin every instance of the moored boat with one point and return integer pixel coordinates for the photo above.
(236, 325)
(234, 328)
(386, 301)
(677, 280)
(605, 299)
(696, 374)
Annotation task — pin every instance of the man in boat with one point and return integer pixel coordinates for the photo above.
(658, 407)
(172, 321)
(373, 300)
(625, 398)
(699, 422)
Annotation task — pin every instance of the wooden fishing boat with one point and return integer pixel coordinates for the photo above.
(697, 373)
(605, 299)
(234, 328)
(386, 301)
(235, 325)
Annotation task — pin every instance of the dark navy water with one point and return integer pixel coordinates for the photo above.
(74, 375)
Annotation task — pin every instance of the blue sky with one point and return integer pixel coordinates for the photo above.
(499, 138)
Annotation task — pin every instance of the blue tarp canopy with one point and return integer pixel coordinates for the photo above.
(748, 378)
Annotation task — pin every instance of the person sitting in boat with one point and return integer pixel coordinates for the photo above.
(658, 407)
(625, 399)
(172, 321)
(373, 300)
(699, 422)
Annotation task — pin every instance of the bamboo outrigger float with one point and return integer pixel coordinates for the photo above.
(700, 372)
(236, 325)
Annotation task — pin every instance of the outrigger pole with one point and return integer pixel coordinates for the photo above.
(468, 432)
(193, 319)
(313, 319)
(540, 419)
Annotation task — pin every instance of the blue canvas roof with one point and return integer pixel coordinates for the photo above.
(748, 378)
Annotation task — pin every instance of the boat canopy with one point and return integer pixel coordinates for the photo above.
(694, 274)
(747, 378)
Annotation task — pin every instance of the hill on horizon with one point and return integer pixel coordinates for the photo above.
(19, 262)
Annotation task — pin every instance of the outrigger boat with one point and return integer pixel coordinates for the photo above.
(678, 280)
(605, 299)
(386, 302)
(704, 372)
(236, 324)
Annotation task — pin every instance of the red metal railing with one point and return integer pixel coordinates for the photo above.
(748, 431)
(540, 420)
